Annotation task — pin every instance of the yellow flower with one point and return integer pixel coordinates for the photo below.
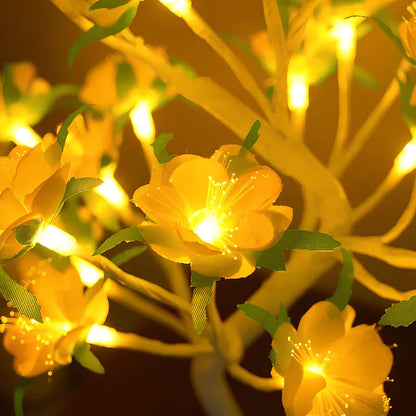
(24, 110)
(67, 311)
(89, 139)
(407, 32)
(32, 184)
(100, 87)
(206, 213)
(330, 367)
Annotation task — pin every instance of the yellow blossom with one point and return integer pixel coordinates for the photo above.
(330, 367)
(100, 87)
(212, 212)
(407, 32)
(24, 110)
(67, 311)
(89, 139)
(32, 184)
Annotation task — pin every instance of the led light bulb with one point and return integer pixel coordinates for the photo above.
(298, 92)
(142, 120)
(344, 32)
(102, 335)
(57, 240)
(110, 189)
(24, 136)
(88, 273)
(179, 7)
(406, 160)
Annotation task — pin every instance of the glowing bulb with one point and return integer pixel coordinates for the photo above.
(102, 335)
(142, 120)
(344, 32)
(206, 227)
(314, 368)
(298, 92)
(110, 189)
(179, 7)
(24, 136)
(88, 273)
(56, 240)
(406, 160)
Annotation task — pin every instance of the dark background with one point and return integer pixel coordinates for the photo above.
(140, 384)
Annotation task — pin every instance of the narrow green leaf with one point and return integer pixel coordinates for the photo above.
(26, 232)
(199, 280)
(389, 32)
(126, 255)
(272, 356)
(159, 148)
(266, 319)
(11, 93)
(343, 291)
(365, 78)
(400, 314)
(252, 136)
(283, 315)
(77, 186)
(125, 79)
(108, 4)
(19, 394)
(127, 234)
(63, 131)
(307, 240)
(82, 353)
(98, 32)
(20, 297)
(55, 259)
(271, 258)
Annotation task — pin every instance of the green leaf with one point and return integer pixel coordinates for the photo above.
(127, 234)
(343, 291)
(408, 110)
(266, 319)
(126, 255)
(108, 4)
(159, 148)
(186, 68)
(56, 260)
(365, 78)
(82, 353)
(26, 232)
(77, 186)
(307, 240)
(252, 136)
(20, 297)
(284, 10)
(343, 2)
(11, 93)
(63, 131)
(390, 33)
(272, 356)
(98, 32)
(283, 315)
(400, 314)
(271, 258)
(19, 394)
(201, 297)
(125, 79)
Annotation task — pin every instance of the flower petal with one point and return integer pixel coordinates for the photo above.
(360, 358)
(195, 182)
(10, 207)
(322, 325)
(282, 345)
(255, 189)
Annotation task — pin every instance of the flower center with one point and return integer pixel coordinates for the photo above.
(206, 226)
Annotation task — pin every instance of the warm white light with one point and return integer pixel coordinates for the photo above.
(406, 160)
(208, 229)
(24, 136)
(179, 7)
(88, 273)
(344, 32)
(298, 93)
(102, 335)
(56, 240)
(110, 189)
(142, 120)
(314, 368)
